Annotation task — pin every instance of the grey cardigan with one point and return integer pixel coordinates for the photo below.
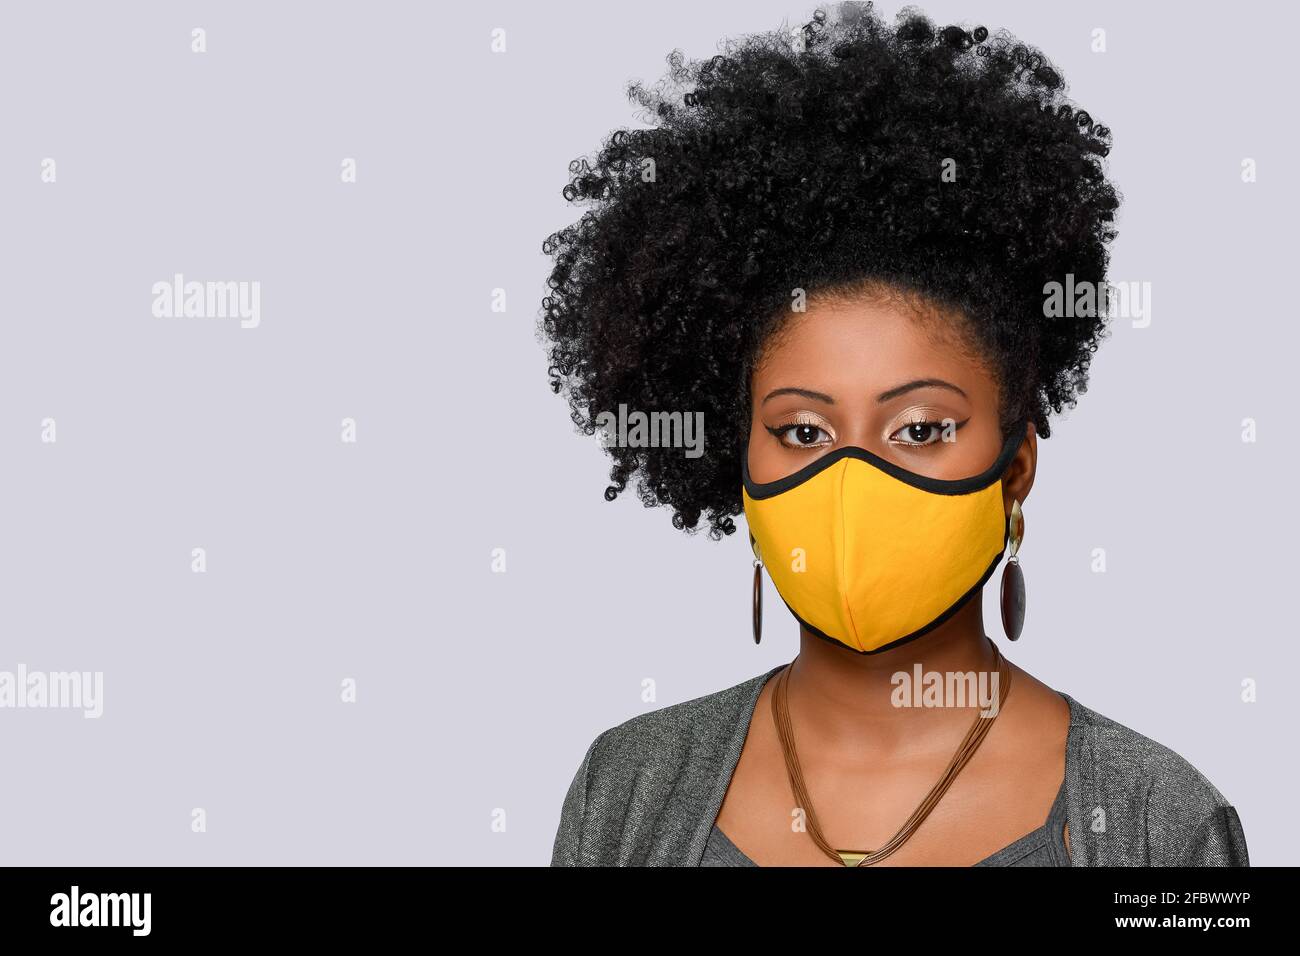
(649, 789)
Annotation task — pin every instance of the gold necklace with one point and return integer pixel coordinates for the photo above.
(974, 737)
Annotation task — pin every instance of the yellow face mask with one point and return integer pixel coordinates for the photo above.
(870, 555)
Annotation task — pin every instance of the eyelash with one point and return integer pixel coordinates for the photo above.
(929, 423)
(780, 431)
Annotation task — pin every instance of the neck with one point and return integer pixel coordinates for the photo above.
(840, 696)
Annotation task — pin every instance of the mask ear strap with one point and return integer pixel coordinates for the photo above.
(1015, 438)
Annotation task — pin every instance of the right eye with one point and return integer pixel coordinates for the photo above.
(801, 436)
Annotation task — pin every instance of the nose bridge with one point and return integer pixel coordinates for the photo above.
(882, 542)
(855, 508)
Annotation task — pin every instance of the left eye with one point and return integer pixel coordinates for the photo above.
(803, 436)
(919, 433)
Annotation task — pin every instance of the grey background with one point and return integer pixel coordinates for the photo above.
(372, 561)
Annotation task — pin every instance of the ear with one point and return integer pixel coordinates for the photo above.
(1019, 476)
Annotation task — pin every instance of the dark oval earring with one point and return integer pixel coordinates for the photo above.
(758, 593)
(1013, 579)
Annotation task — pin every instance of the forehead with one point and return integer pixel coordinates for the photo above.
(860, 343)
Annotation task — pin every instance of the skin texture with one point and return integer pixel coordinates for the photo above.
(867, 764)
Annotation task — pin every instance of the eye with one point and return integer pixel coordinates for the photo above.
(919, 433)
(801, 436)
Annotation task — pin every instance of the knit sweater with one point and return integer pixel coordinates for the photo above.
(648, 791)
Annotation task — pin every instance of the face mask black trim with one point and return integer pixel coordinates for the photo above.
(938, 486)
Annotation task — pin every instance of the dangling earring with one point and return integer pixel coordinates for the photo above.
(1013, 579)
(758, 593)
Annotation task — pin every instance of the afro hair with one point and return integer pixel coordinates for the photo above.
(812, 159)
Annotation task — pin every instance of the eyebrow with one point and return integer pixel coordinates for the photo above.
(804, 392)
(919, 383)
(882, 397)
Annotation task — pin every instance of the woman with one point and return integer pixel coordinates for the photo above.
(839, 245)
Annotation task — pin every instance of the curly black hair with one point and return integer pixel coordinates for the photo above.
(812, 160)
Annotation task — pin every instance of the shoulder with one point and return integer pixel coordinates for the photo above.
(659, 764)
(1143, 803)
(697, 729)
